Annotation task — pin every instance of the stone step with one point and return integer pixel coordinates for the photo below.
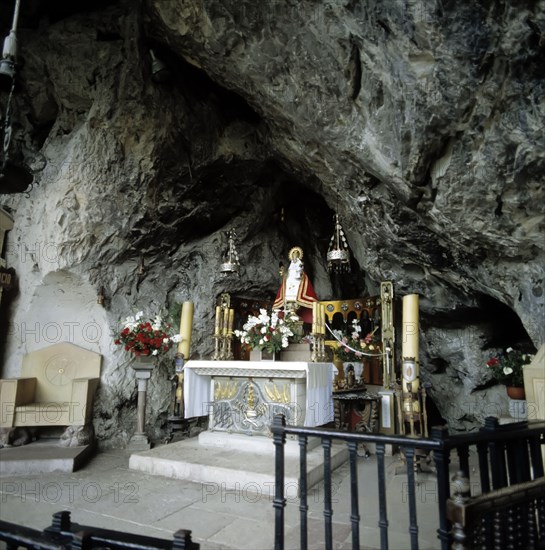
(219, 465)
(43, 457)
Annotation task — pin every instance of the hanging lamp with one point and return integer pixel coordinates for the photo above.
(338, 253)
(9, 51)
(231, 263)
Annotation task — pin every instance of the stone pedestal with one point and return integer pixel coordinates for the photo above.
(143, 369)
(296, 352)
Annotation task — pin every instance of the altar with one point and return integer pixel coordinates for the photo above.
(244, 396)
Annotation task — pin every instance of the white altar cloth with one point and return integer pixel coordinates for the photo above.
(198, 390)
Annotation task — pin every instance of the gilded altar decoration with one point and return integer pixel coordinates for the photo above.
(225, 390)
(223, 329)
(146, 337)
(388, 331)
(278, 394)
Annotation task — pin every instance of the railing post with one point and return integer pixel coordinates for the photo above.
(441, 457)
(328, 508)
(413, 525)
(355, 514)
(182, 540)
(279, 502)
(383, 510)
(61, 523)
(497, 455)
(303, 490)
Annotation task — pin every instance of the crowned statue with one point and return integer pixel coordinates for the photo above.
(296, 293)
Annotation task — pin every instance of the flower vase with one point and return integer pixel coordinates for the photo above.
(143, 362)
(263, 355)
(515, 393)
(358, 369)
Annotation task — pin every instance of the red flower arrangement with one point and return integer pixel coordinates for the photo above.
(143, 338)
(507, 368)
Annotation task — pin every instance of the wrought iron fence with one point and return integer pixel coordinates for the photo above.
(64, 535)
(507, 455)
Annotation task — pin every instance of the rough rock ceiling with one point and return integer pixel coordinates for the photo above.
(421, 123)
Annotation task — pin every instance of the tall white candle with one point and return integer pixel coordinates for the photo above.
(186, 327)
(409, 343)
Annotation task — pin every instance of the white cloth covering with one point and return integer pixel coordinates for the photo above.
(198, 391)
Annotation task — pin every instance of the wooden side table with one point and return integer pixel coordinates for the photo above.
(356, 410)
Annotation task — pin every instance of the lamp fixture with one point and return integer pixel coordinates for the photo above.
(338, 253)
(231, 263)
(9, 51)
(159, 71)
(101, 298)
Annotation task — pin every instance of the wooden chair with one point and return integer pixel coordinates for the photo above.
(509, 512)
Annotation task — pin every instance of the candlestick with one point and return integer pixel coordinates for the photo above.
(186, 323)
(218, 320)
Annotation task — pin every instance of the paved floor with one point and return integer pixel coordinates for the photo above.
(105, 493)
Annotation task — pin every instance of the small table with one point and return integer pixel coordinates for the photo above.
(356, 410)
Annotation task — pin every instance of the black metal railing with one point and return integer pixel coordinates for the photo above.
(64, 535)
(507, 455)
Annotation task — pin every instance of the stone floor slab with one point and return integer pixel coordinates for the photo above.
(42, 457)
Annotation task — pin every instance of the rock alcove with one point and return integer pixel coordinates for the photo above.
(420, 123)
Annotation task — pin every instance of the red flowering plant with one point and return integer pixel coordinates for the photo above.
(141, 337)
(507, 368)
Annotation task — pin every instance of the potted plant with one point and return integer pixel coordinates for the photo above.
(267, 333)
(143, 338)
(354, 347)
(507, 368)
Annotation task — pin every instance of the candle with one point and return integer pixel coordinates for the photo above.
(217, 325)
(231, 321)
(186, 324)
(321, 316)
(225, 321)
(409, 343)
(314, 317)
